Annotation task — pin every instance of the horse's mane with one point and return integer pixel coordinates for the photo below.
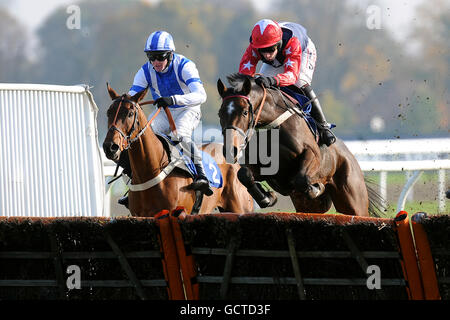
(236, 80)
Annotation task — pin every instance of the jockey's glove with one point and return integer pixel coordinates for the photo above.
(164, 102)
(266, 82)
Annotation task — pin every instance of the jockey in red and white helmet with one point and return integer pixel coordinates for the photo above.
(289, 59)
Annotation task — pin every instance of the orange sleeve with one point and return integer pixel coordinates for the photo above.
(249, 61)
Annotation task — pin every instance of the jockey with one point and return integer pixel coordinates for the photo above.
(289, 58)
(174, 83)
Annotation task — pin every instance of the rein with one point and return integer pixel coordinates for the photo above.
(129, 141)
(253, 122)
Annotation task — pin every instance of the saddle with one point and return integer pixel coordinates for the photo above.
(304, 109)
(174, 150)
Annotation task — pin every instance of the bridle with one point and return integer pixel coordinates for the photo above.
(253, 121)
(127, 138)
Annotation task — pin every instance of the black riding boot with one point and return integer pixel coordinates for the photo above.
(124, 162)
(326, 135)
(201, 182)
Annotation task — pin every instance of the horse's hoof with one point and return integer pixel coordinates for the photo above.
(273, 198)
(264, 203)
(269, 200)
(124, 201)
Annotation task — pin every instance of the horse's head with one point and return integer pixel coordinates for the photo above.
(124, 117)
(237, 112)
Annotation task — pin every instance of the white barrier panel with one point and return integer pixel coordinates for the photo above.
(404, 165)
(399, 146)
(50, 160)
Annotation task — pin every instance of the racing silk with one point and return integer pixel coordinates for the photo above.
(180, 80)
(294, 42)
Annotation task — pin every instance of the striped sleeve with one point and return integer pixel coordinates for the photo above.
(188, 73)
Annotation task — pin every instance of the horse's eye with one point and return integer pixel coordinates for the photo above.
(245, 112)
(131, 114)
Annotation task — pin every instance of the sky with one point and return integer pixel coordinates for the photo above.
(397, 15)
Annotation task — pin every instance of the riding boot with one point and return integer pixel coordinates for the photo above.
(326, 135)
(123, 200)
(124, 162)
(201, 182)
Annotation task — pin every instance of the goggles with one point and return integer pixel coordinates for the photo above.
(268, 49)
(160, 56)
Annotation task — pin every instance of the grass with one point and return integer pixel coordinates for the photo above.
(429, 207)
(401, 178)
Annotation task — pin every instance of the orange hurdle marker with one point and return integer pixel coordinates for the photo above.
(425, 258)
(170, 262)
(187, 264)
(409, 260)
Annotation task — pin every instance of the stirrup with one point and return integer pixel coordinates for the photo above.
(202, 184)
(327, 137)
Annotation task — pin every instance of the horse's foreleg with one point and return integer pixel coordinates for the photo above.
(263, 198)
(309, 167)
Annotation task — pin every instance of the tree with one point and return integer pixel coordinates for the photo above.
(432, 31)
(13, 49)
(360, 73)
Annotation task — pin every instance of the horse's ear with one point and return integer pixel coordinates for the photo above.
(140, 95)
(112, 93)
(221, 88)
(246, 87)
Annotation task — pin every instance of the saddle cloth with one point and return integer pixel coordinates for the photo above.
(212, 170)
(305, 106)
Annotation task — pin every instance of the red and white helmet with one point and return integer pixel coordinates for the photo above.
(266, 33)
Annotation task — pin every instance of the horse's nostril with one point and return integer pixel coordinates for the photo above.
(110, 148)
(114, 147)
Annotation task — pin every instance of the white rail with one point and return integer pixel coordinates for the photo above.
(399, 146)
(438, 149)
(417, 167)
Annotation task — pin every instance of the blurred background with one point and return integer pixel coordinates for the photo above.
(382, 69)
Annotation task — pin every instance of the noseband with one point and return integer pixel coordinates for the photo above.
(127, 138)
(253, 121)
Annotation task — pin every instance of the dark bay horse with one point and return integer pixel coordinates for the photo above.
(129, 128)
(314, 177)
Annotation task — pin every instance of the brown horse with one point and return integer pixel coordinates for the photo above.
(315, 177)
(129, 128)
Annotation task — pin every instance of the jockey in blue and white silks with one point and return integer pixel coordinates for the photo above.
(174, 83)
(177, 80)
